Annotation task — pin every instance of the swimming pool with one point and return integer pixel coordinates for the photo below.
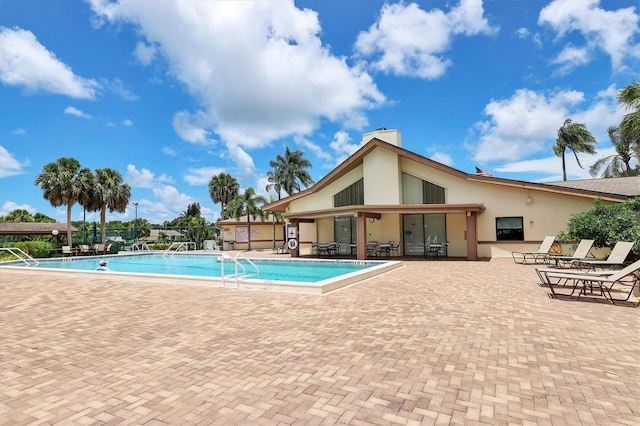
(314, 276)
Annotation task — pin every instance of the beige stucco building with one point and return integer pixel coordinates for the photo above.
(386, 193)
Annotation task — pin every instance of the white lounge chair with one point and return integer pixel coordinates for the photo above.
(535, 256)
(604, 280)
(615, 259)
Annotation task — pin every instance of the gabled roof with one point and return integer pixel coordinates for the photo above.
(357, 157)
(33, 228)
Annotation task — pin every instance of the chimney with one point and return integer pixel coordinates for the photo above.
(391, 136)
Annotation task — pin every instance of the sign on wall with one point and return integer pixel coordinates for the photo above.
(242, 234)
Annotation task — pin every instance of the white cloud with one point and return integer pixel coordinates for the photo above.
(117, 86)
(409, 41)
(76, 112)
(27, 63)
(570, 58)
(317, 150)
(550, 167)
(169, 151)
(501, 141)
(443, 158)
(145, 53)
(612, 32)
(246, 166)
(19, 132)
(9, 166)
(521, 125)
(201, 176)
(191, 127)
(10, 206)
(342, 146)
(127, 123)
(246, 95)
(170, 201)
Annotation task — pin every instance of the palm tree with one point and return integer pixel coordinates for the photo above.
(110, 192)
(629, 97)
(247, 204)
(18, 215)
(222, 189)
(289, 172)
(60, 184)
(577, 138)
(273, 183)
(618, 164)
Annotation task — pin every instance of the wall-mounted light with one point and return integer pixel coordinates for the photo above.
(529, 199)
(372, 219)
(531, 223)
(54, 232)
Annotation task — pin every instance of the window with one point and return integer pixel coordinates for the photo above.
(509, 229)
(353, 195)
(418, 191)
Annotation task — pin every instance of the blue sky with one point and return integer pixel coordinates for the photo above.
(172, 93)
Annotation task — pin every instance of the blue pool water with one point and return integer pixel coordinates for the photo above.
(210, 266)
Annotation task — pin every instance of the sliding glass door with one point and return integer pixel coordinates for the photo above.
(417, 229)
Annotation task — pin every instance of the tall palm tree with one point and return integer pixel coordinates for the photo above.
(273, 183)
(629, 97)
(618, 164)
(222, 189)
(575, 137)
(109, 192)
(61, 186)
(247, 204)
(289, 172)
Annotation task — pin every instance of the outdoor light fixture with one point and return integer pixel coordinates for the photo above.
(55, 232)
(529, 199)
(531, 222)
(372, 219)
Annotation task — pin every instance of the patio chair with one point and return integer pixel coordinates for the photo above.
(582, 252)
(603, 280)
(84, 249)
(395, 249)
(372, 248)
(68, 251)
(539, 256)
(615, 259)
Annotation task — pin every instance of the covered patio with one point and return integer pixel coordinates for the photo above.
(366, 215)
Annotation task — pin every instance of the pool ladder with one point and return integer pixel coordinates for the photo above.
(178, 246)
(240, 271)
(20, 255)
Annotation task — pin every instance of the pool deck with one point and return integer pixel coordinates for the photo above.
(432, 342)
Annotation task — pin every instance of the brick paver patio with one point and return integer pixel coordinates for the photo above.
(433, 342)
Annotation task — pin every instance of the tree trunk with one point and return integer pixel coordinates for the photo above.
(248, 232)
(103, 222)
(564, 169)
(69, 237)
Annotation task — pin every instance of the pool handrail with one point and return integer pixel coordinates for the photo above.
(175, 247)
(20, 255)
(139, 246)
(236, 260)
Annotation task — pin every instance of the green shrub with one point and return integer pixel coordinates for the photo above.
(607, 224)
(36, 249)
